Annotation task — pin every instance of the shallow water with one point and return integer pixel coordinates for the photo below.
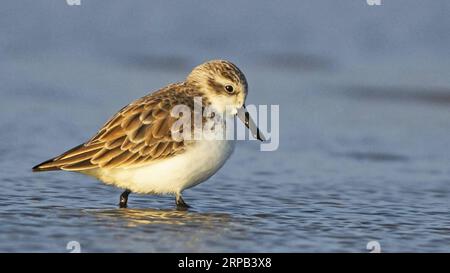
(364, 126)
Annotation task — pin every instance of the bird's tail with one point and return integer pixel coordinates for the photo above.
(59, 162)
(45, 166)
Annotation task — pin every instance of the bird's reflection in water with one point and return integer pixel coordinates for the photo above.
(137, 217)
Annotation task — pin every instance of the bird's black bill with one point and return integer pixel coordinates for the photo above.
(245, 117)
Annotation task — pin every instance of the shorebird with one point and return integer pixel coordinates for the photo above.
(136, 151)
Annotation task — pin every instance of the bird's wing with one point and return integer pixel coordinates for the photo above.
(137, 134)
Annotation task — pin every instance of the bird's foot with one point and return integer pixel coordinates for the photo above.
(181, 205)
(124, 199)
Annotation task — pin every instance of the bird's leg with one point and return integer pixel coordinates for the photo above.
(124, 199)
(180, 202)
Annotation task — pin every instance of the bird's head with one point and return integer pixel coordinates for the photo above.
(223, 84)
(226, 88)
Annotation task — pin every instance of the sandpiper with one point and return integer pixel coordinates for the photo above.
(136, 151)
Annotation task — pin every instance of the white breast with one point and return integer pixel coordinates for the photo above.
(175, 174)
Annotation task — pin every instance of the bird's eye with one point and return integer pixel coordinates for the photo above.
(229, 88)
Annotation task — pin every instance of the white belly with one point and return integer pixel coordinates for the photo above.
(172, 175)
